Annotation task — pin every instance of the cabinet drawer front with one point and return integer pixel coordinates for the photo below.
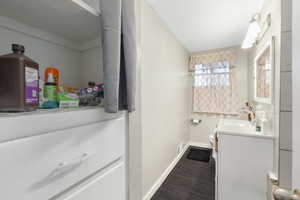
(43, 166)
(107, 186)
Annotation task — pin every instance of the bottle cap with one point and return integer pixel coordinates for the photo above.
(18, 48)
(50, 78)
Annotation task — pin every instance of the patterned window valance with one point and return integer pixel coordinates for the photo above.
(213, 57)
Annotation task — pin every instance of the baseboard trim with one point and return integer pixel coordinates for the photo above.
(199, 144)
(165, 174)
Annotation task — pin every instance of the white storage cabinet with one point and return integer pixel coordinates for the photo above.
(85, 162)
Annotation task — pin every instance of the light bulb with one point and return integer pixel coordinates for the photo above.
(253, 32)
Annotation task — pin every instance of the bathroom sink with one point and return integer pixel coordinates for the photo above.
(234, 122)
(235, 125)
(238, 127)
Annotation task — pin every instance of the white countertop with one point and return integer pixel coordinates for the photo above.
(241, 128)
(247, 134)
(20, 125)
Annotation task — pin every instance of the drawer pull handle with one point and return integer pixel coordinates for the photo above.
(62, 170)
(68, 166)
(78, 161)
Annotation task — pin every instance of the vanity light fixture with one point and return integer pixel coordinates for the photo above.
(87, 7)
(253, 33)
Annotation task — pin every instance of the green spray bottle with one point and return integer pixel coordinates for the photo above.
(50, 93)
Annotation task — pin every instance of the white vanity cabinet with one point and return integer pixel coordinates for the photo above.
(243, 162)
(77, 161)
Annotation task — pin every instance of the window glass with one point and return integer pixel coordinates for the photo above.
(216, 74)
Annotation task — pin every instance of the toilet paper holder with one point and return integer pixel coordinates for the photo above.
(195, 122)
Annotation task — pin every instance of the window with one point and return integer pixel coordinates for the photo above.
(213, 75)
(215, 88)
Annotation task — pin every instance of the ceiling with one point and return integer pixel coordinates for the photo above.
(61, 17)
(207, 24)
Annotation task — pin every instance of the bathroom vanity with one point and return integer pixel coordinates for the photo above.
(63, 155)
(244, 157)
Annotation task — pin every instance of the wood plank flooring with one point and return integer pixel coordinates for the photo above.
(189, 180)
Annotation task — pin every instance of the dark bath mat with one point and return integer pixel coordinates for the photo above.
(199, 154)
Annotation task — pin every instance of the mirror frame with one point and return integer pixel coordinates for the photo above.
(270, 45)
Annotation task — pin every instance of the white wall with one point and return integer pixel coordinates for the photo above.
(76, 66)
(296, 97)
(164, 96)
(44, 53)
(91, 66)
(135, 152)
(272, 7)
(200, 133)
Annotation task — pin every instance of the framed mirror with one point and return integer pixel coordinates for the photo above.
(263, 74)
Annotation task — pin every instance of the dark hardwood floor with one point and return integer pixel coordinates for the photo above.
(189, 180)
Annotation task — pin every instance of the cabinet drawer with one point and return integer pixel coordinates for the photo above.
(109, 185)
(40, 167)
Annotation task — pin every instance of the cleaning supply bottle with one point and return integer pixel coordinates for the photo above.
(55, 74)
(19, 81)
(50, 93)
